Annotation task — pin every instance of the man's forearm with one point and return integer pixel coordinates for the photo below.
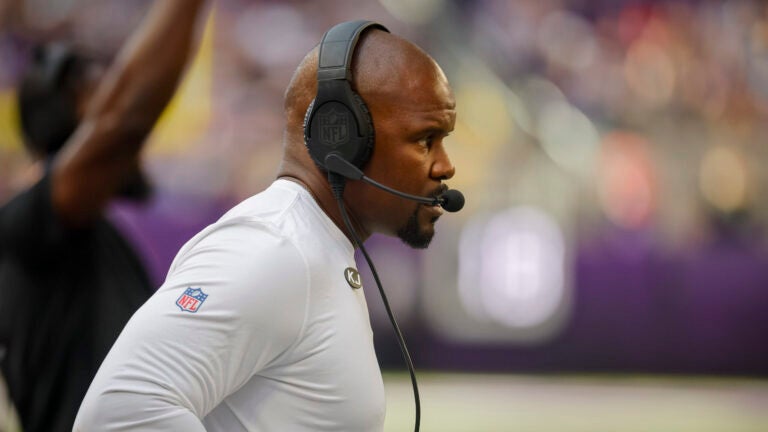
(147, 70)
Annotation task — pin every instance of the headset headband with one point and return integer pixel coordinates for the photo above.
(338, 47)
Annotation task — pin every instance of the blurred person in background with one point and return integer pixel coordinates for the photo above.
(261, 323)
(68, 280)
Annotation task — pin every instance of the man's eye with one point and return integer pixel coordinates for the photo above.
(426, 142)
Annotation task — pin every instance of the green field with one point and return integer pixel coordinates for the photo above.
(524, 403)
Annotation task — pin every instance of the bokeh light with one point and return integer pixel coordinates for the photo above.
(414, 12)
(723, 178)
(627, 184)
(512, 268)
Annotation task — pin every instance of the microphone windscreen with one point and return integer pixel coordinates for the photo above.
(452, 200)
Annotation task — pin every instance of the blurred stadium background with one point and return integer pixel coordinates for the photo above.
(610, 269)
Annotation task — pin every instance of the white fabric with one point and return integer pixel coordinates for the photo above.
(281, 343)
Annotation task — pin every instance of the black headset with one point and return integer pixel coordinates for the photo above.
(337, 120)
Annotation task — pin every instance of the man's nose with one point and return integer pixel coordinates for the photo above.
(442, 168)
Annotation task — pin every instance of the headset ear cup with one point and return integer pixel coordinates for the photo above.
(333, 126)
(366, 131)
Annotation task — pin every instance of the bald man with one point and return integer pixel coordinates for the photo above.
(258, 326)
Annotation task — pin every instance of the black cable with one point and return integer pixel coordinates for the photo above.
(337, 185)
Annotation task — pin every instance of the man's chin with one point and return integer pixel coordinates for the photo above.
(417, 243)
(414, 236)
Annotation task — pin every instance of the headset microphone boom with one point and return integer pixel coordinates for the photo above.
(450, 200)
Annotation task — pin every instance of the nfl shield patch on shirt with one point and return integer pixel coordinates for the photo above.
(191, 300)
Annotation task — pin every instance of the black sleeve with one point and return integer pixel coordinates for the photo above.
(29, 228)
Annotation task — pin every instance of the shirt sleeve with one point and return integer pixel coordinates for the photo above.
(29, 227)
(234, 303)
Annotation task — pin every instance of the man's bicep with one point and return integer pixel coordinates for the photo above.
(150, 375)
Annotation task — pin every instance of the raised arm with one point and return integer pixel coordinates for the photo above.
(104, 151)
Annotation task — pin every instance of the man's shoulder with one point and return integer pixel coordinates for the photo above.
(269, 204)
(240, 239)
(285, 207)
(29, 223)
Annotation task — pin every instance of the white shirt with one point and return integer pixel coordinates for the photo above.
(256, 328)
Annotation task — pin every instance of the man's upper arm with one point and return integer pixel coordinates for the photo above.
(234, 304)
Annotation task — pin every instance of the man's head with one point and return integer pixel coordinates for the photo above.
(413, 110)
(52, 96)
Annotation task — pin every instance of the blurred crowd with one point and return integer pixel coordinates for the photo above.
(654, 109)
(640, 122)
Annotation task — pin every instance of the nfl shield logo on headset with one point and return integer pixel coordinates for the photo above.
(334, 127)
(191, 300)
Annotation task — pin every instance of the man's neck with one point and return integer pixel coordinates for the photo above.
(328, 204)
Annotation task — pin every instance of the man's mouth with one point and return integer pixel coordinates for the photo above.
(437, 192)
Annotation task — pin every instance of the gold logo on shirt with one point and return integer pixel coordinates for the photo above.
(353, 278)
